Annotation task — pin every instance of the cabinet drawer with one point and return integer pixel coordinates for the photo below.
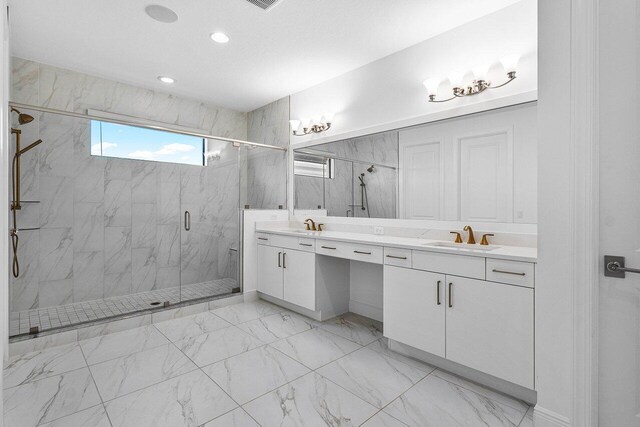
(397, 257)
(365, 253)
(456, 265)
(286, 242)
(263, 238)
(511, 272)
(306, 244)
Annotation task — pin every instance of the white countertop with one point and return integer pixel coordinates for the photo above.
(514, 253)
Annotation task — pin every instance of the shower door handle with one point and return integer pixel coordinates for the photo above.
(187, 220)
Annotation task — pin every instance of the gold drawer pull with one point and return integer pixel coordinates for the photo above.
(363, 253)
(508, 272)
(262, 238)
(396, 257)
(306, 244)
(328, 247)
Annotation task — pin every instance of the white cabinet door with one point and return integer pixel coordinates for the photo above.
(413, 310)
(300, 278)
(270, 270)
(490, 328)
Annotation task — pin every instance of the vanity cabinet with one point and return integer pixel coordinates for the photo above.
(414, 308)
(490, 328)
(483, 325)
(287, 274)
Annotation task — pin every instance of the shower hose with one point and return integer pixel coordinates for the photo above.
(14, 230)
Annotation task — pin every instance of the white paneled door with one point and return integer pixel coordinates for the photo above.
(619, 152)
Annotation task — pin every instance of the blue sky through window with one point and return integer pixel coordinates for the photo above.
(131, 142)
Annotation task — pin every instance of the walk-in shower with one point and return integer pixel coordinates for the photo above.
(103, 234)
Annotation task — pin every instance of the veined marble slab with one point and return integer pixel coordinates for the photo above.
(218, 345)
(381, 346)
(46, 400)
(236, 418)
(241, 313)
(309, 401)
(188, 400)
(315, 347)
(254, 373)
(136, 371)
(277, 326)
(372, 376)
(95, 416)
(355, 328)
(191, 326)
(42, 364)
(382, 419)
(107, 347)
(435, 401)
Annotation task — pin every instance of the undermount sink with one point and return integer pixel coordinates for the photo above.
(299, 231)
(462, 246)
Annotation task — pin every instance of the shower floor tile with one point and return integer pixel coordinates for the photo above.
(67, 315)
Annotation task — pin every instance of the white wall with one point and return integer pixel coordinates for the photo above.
(390, 90)
(554, 298)
(4, 191)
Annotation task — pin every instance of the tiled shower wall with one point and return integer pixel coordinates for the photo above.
(343, 190)
(113, 226)
(266, 170)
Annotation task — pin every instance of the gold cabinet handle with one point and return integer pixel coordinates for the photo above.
(328, 247)
(438, 293)
(396, 257)
(509, 272)
(262, 238)
(362, 253)
(450, 295)
(279, 259)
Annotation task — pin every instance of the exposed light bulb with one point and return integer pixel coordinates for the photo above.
(295, 125)
(456, 79)
(480, 72)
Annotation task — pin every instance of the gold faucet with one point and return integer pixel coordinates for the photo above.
(458, 236)
(484, 241)
(313, 225)
(471, 240)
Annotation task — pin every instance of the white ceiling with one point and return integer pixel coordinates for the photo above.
(295, 45)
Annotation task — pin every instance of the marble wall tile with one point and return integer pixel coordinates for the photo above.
(56, 253)
(117, 202)
(144, 269)
(168, 203)
(57, 149)
(55, 292)
(167, 277)
(88, 230)
(88, 276)
(88, 92)
(55, 88)
(168, 245)
(24, 81)
(56, 202)
(119, 169)
(117, 283)
(117, 249)
(143, 225)
(143, 182)
(89, 179)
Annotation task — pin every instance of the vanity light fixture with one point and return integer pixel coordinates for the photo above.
(167, 80)
(320, 125)
(477, 86)
(219, 37)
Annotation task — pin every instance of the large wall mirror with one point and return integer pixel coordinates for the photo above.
(476, 168)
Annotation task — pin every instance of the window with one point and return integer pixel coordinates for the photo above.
(317, 167)
(133, 142)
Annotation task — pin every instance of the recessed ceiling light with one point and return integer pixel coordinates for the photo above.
(161, 13)
(219, 37)
(165, 79)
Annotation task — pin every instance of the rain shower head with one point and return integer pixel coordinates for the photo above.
(370, 169)
(23, 118)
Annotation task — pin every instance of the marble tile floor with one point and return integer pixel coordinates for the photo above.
(69, 314)
(250, 364)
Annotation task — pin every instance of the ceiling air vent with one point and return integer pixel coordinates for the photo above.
(263, 4)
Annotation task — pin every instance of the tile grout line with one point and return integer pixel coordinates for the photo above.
(96, 386)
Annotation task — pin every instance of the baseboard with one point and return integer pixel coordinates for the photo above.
(543, 417)
(251, 296)
(366, 310)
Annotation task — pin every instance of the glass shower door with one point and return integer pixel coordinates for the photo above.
(209, 232)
